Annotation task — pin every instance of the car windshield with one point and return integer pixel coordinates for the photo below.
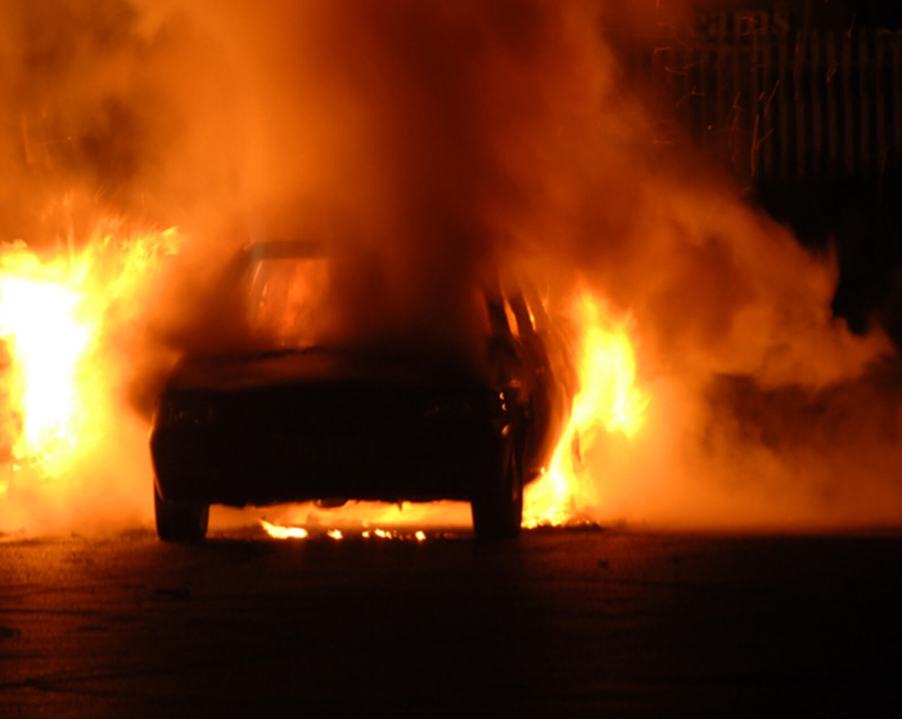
(284, 297)
(288, 297)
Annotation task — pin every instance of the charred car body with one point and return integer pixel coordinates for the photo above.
(311, 422)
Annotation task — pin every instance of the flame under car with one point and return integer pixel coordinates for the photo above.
(321, 422)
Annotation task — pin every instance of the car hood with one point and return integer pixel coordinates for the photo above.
(317, 365)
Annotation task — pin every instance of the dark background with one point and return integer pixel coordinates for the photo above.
(801, 102)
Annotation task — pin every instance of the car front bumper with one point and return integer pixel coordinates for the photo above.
(235, 466)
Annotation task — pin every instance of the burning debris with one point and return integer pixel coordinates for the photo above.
(278, 531)
(424, 145)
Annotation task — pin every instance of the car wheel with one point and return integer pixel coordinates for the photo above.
(497, 506)
(180, 521)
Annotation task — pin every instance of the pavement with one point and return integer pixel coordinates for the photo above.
(559, 623)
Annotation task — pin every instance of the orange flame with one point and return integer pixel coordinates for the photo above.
(608, 398)
(45, 339)
(279, 532)
(57, 390)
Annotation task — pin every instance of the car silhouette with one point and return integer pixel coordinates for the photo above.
(301, 421)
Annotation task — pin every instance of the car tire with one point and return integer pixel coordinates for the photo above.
(182, 522)
(497, 506)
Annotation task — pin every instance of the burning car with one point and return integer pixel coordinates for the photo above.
(300, 420)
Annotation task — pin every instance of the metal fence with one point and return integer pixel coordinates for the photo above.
(819, 104)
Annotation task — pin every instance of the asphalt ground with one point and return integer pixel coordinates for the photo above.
(559, 623)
